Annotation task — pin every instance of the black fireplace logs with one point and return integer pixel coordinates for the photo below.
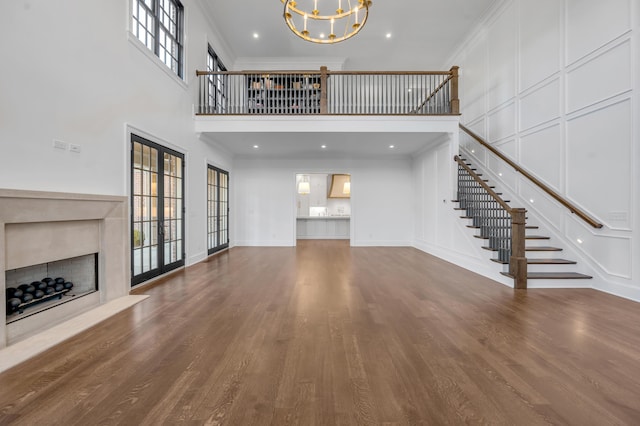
(38, 291)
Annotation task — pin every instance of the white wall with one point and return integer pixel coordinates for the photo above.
(73, 72)
(438, 228)
(265, 200)
(554, 85)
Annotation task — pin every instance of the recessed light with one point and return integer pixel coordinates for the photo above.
(579, 241)
(409, 90)
(531, 200)
(391, 146)
(323, 147)
(499, 174)
(256, 35)
(388, 35)
(473, 151)
(256, 146)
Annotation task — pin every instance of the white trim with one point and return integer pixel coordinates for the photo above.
(133, 40)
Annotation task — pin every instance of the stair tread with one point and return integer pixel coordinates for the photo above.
(532, 237)
(552, 275)
(540, 262)
(551, 262)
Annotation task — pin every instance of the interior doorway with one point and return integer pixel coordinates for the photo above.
(323, 206)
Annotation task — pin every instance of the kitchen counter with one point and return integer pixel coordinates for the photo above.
(323, 227)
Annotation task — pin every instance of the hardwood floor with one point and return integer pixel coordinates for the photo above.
(331, 335)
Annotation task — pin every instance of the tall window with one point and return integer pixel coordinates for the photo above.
(217, 83)
(157, 206)
(158, 24)
(217, 209)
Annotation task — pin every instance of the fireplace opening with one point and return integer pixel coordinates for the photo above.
(36, 288)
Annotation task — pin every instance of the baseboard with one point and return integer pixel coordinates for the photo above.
(381, 243)
(617, 289)
(264, 243)
(196, 258)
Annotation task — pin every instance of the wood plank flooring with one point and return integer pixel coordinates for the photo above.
(325, 334)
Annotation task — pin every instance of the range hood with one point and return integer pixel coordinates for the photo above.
(336, 186)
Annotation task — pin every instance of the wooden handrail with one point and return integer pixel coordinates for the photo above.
(484, 185)
(328, 92)
(432, 94)
(316, 72)
(517, 260)
(571, 207)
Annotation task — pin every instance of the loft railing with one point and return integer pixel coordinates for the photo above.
(566, 203)
(328, 92)
(502, 226)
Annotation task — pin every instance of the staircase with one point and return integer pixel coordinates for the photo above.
(540, 256)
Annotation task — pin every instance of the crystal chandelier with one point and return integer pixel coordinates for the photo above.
(318, 22)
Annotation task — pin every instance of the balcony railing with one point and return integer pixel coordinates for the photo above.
(328, 92)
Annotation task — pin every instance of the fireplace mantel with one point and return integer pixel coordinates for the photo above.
(37, 226)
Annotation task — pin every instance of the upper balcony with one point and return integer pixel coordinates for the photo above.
(259, 101)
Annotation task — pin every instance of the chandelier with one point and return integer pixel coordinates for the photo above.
(316, 21)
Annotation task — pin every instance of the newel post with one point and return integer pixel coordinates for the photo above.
(518, 260)
(323, 90)
(455, 102)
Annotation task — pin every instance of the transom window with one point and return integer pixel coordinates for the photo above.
(158, 25)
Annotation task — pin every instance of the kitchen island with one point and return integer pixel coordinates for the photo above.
(323, 227)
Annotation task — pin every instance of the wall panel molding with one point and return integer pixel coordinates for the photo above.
(613, 18)
(540, 105)
(601, 77)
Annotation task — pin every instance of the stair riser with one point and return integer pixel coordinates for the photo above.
(553, 268)
(559, 284)
(545, 254)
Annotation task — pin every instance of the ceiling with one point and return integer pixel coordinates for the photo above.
(424, 34)
(310, 145)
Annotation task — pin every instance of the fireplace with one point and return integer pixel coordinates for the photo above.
(80, 240)
(36, 288)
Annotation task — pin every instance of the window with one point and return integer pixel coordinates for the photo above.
(217, 83)
(217, 209)
(158, 25)
(157, 206)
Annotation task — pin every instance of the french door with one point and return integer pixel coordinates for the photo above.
(217, 209)
(157, 209)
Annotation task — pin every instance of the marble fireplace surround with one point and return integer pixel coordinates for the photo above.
(38, 227)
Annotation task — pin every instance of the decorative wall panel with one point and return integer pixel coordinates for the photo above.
(602, 77)
(502, 123)
(502, 58)
(540, 41)
(611, 253)
(542, 151)
(540, 105)
(599, 159)
(593, 23)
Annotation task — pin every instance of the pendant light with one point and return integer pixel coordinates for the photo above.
(303, 186)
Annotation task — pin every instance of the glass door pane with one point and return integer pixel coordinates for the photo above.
(157, 205)
(173, 220)
(217, 209)
(145, 209)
